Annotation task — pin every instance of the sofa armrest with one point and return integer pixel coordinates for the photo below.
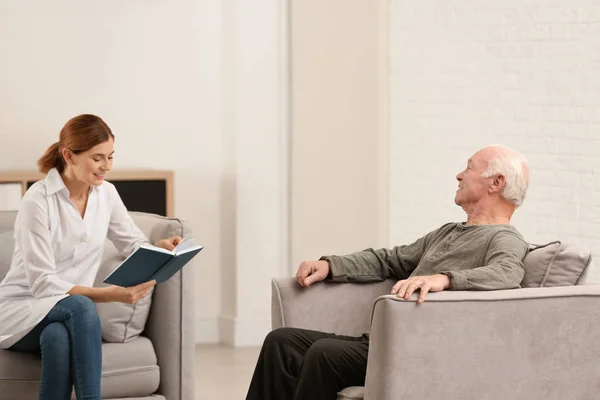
(536, 343)
(342, 308)
(170, 324)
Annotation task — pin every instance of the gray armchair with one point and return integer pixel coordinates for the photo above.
(157, 365)
(534, 343)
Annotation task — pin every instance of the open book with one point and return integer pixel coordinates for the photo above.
(149, 262)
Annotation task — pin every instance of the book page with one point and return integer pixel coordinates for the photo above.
(156, 248)
(184, 245)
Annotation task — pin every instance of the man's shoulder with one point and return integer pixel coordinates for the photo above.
(506, 234)
(484, 232)
(489, 230)
(508, 229)
(512, 230)
(448, 226)
(444, 229)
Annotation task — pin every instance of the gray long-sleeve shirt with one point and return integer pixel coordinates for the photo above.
(475, 257)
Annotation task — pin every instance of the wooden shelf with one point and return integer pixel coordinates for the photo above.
(118, 177)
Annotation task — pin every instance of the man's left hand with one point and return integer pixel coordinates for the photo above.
(169, 243)
(430, 283)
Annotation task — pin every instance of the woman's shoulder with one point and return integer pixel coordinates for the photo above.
(36, 193)
(107, 193)
(47, 186)
(107, 188)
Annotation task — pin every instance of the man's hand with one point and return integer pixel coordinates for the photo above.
(310, 272)
(430, 283)
(169, 243)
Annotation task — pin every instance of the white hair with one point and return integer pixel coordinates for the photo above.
(513, 166)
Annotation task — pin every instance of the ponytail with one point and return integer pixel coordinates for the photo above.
(52, 158)
(80, 134)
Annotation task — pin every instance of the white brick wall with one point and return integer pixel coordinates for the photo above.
(466, 73)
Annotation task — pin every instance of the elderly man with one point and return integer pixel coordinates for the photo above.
(483, 253)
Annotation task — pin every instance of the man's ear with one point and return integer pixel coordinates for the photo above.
(68, 156)
(498, 184)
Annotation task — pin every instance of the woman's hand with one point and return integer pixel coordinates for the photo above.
(169, 243)
(130, 295)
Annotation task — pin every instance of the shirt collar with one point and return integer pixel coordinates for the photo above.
(54, 182)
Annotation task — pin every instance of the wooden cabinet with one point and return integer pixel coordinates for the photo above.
(141, 190)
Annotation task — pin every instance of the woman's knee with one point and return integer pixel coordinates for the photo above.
(78, 303)
(55, 335)
(82, 308)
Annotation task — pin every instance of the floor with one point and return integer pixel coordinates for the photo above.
(224, 373)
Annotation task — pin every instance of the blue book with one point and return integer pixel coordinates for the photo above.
(149, 263)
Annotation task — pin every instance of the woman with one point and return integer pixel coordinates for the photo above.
(47, 298)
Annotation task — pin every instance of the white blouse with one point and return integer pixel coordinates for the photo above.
(56, 249)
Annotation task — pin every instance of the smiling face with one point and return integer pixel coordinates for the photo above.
(90, 166)
(472, 186)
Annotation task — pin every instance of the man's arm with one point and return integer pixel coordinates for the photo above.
(503, 267)
(368, 265)
(372, 265)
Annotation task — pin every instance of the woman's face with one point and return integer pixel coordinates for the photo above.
(90, 166)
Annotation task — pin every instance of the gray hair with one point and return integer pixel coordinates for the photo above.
(513, 166)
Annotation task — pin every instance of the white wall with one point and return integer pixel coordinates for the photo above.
(197, 87)
(150, 69)
(338, 152)
(255, 166)
(465, 74)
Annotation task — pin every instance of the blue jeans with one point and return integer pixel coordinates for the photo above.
(70, 344)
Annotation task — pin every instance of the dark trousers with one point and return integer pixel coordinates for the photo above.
(298, 364)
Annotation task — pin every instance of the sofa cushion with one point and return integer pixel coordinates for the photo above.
(120, 322)
(128, 370)
(7, 220)
(7, 247)
(555, 264)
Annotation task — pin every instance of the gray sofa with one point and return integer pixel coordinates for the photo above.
(158, 364)
(537, 343)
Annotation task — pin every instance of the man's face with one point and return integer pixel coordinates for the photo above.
(472, 187)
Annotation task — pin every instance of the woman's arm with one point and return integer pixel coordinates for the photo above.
(109, 294)
(33, 237)
(122, 230)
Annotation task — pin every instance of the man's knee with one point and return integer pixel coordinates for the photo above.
(329, 350)
(279, 336)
